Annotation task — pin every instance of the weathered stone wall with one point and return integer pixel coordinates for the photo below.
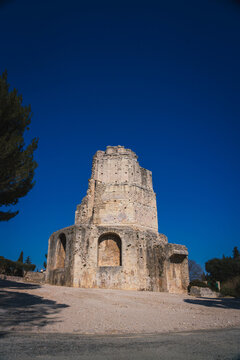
(120, 192)
(203, 292)
(130, 274)
(142, 259)
(59, 265)
(177, 273)
(35, 277)
(29, 277)
(115, 241)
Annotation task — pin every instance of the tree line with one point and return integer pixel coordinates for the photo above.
(16, 268)
(226, 270)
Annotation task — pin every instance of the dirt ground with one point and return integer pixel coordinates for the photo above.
(46, 308)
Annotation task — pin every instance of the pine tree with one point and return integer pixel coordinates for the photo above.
(20, 259)
(236, 253)
(28, 260)
(45, 263)
(16, 161)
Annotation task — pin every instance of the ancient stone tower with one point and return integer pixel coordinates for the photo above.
(115, 241)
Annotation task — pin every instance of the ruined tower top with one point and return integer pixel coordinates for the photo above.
(117, 150)
(118, 165)
(120, 192)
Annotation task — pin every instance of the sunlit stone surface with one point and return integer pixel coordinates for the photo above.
(115, 241)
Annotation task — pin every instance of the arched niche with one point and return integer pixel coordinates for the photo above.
(109, 250)
(61, 251)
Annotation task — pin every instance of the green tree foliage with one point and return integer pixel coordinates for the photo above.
(28, 260)
(227, 271)
(231, 286)
(195, 271)
(236, 253)
(45, 262)
(198, 283)
(14, 268)
(20, 259)
(16, 161)
(223, 269)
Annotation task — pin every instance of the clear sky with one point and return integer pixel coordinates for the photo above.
(159, 77)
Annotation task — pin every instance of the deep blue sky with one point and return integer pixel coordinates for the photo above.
(159, 77)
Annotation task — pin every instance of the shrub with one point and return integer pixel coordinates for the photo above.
(213, 285)
(197, 283)
(29, 267)
(225, 291)
(231, 287)
(14, 268)
(223, 269)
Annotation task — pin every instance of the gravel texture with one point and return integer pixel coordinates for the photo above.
(46, 308)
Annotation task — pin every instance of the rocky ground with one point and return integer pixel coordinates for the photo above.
(46, 308)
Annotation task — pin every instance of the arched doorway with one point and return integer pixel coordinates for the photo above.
(109, 250)
(61, 251)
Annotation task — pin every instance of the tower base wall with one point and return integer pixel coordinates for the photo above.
(117, 258)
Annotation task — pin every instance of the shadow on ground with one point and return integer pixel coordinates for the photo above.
(17, 285)
(23, 311)
(222, 303)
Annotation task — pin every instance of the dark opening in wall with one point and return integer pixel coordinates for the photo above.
(109, 250)
(61, 251)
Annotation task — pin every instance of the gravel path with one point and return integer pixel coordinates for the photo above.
(46, 308)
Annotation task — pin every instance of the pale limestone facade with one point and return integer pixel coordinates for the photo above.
(115, 241)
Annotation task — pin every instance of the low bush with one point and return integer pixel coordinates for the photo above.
(197, 283)
(213, 285)
(14, 268)
(231, 287)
